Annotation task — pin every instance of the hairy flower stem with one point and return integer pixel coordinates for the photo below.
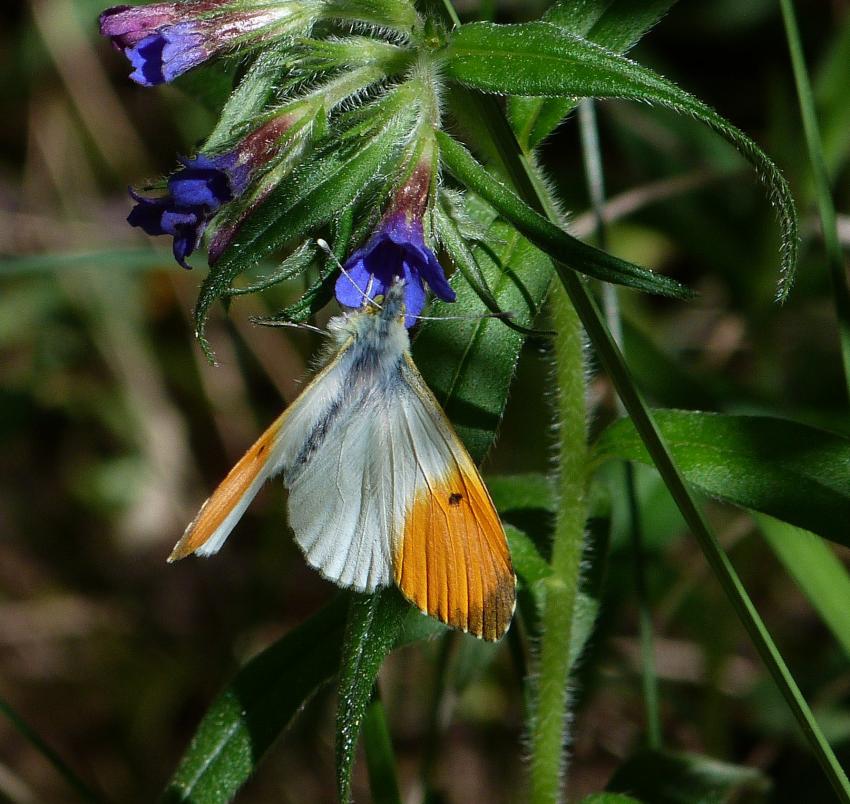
(551, 706)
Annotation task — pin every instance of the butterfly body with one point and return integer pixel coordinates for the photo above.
(381, 489)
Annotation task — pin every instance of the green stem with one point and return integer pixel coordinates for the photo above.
(647, 641)
(612, 361)
(549, 724)
(820, 176)
(595, 178)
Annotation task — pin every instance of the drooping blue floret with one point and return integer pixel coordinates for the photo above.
(396, 249)
(162, 216)
(195, 193)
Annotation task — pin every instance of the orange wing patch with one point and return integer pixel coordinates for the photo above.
(214, 511)
(453, 560)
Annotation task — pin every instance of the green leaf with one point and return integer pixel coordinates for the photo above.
(664, 777)
(818, 572)
(522, 492)
(546, 235)
(398, 15)
(250, 97)
(790, 471)
(616, 24)
(310, 197)
(464, 260)
(374, 624)
(469, 364)
(538, 58)
(610, 798)
(246, 718)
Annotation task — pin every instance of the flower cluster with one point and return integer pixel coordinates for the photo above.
(163, 40)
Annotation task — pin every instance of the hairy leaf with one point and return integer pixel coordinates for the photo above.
(787, 470)
(539, 58)
(546, 235)
(374, 623)
(615, 24)
(246, 718)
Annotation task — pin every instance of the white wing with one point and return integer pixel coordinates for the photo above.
(280, 445)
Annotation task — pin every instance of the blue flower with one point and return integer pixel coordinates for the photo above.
(163, 216)
(396, 249)
(164, 40)
(195, 193)
(162, 56)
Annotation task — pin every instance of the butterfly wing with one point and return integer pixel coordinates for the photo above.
(451, 557)
(278, 446)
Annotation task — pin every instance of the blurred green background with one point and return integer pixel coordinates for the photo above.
(113, 429)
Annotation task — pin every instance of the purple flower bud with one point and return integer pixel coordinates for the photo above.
(396, 249)
(126, 26)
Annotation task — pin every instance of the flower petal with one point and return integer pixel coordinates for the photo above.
(414, 295)
(356, 282)
(432, 272)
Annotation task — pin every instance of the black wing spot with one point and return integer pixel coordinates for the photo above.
(455, 498)
(261, 449)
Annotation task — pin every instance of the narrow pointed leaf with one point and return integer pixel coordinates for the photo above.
(247, 717)
(615, 24)
(813, 565)
(374, 623)
(545, 235)
(539, 58)
(790, 471)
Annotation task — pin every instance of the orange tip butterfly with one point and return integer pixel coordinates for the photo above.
(381, 489)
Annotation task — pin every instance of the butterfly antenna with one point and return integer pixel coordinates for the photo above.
(506, 316)
(267, 322)
(323, 245)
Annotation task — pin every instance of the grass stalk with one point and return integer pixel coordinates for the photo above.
(820, 177)
(595, 180)
(83, 791)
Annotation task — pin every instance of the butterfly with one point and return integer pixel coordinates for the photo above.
(381, 489)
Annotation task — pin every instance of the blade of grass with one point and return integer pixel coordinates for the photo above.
(380, 759)
(612, 361)
(82, 790)
(820, 177)
(595, 180)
